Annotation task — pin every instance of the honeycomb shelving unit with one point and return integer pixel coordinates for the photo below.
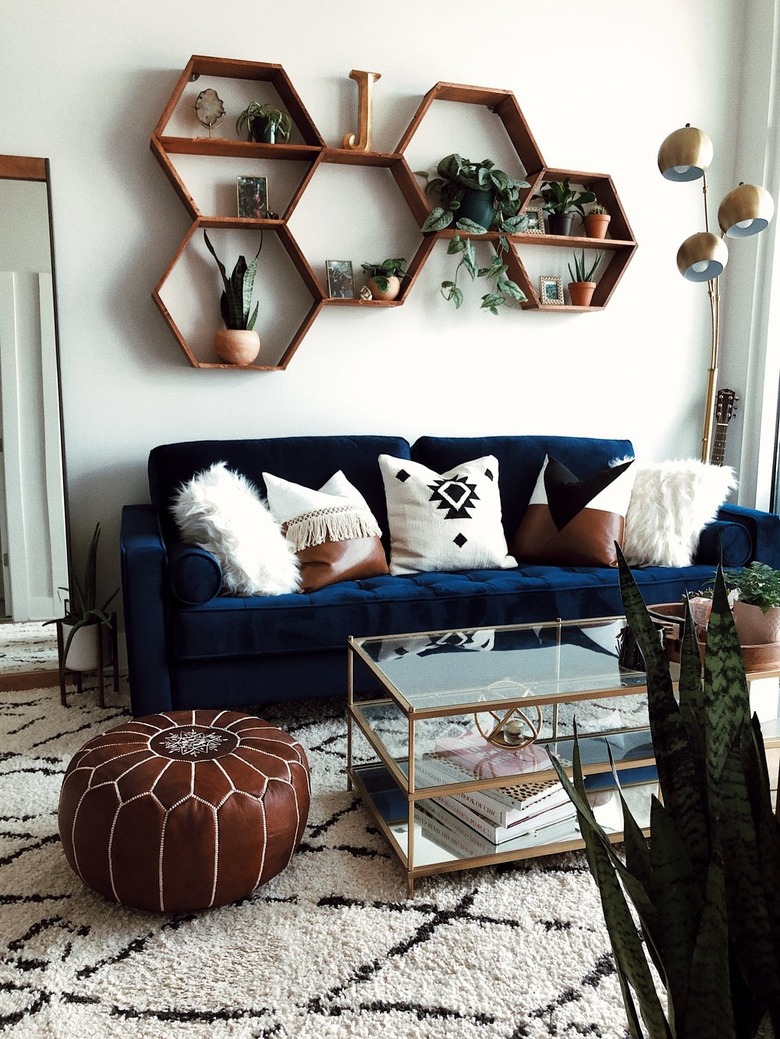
(307, 151)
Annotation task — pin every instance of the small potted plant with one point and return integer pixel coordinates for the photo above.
(562, 201)
(384, 279)
(264, 123)
(756, 607)
(86, 619)
(237, 342)
(582, 286)
(597, 221)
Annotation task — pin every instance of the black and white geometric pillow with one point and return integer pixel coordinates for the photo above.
(444, 521)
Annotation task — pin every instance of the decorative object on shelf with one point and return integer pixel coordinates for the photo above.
(582, 286)
(686, 155)
(238, 342)
(365, 83)
(209, 109)
(341, 281)
(562, 201)
(252, 197)
(715, 841)
(264, 123)
(597, 221)
(384, 279)
(475, 195)
(515, 727)
(550, 290)
(365, 294)
(534, 220)
(86, 635)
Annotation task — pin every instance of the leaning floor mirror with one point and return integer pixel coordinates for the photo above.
(33, 506)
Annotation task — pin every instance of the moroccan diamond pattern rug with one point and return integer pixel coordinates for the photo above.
(329, 948)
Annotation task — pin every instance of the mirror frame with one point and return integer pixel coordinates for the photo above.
(29, 168)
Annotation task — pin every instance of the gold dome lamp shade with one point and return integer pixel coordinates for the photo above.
(686, 154)
(745, 211)
(702, 257)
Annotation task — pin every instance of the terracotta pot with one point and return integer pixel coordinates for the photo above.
(392, 290)
(755, 627)
(237, 345)
(581, 292)
(596, 225)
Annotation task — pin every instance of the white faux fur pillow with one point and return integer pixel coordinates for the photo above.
(670, 505)
(222, 512)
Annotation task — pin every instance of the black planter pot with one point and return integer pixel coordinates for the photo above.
(262, 131)
(560, 223)
(476, 205)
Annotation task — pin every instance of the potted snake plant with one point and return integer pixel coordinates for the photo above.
(237, 342)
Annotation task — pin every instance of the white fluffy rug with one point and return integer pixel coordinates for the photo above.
(29, 646)
(329, 948)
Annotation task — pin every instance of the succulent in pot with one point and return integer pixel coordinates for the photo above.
(477, 198)
(596, 221)
(582, 285)
(262, 122)
(384, 279)
(238, 342)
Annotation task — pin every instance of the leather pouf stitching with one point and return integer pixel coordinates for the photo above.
(184, 810)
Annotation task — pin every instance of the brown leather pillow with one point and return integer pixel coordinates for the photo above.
(348, 560)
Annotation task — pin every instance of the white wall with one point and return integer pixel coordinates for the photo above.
(601, 84)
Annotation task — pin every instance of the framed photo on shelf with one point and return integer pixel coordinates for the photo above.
(550, 290)
(341, 282)
(535, 221)
(252, 197)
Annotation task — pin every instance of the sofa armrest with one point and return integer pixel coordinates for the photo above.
(143, 559)
(764, 530)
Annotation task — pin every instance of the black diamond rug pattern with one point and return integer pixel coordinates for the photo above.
(330, 948)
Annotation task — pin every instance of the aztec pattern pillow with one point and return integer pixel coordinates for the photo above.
(671, 503)
(222, 512)
(444, 521)
(332, 530)
(572, 522)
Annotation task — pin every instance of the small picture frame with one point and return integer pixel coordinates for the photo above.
(341, 281)
(252, 197)
(550, 290)
(535, 221)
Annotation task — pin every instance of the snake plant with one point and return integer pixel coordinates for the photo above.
(236, 298)
(705, 888)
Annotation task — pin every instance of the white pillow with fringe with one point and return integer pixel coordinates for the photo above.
(222, 511)
(335, 512)
(671, 503)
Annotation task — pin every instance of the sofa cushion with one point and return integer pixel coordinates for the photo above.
(519, 460)
(194, 574)
(572, 522)
(222, 512)
(444, 521)
(334, 533)
(671, 503)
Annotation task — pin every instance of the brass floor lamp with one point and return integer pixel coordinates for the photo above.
(747, 210)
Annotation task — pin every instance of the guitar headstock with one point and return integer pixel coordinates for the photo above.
(725, 406)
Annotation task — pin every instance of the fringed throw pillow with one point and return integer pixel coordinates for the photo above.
(444, 521)
(332, 530)
(222, 512)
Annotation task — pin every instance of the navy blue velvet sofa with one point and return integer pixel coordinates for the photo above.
(189, 646)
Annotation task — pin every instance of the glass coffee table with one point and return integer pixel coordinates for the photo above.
(450, 750)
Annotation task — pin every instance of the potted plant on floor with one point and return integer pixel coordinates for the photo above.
(86, 619)
(582, 286)
(264, 123)
(756, 607)
(704, 888)
(477, 198)
(562, 201)
(597, 221)
(384, 279)
(237, 342)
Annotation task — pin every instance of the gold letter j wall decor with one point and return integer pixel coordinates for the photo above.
(365, 82)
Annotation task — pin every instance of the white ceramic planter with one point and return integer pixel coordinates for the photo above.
(84, 652)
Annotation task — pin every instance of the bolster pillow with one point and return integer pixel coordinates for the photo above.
(724, 542)
(194, 574)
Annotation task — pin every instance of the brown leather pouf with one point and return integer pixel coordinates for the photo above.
(184, 810)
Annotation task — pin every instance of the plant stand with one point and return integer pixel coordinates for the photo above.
(102, 663)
